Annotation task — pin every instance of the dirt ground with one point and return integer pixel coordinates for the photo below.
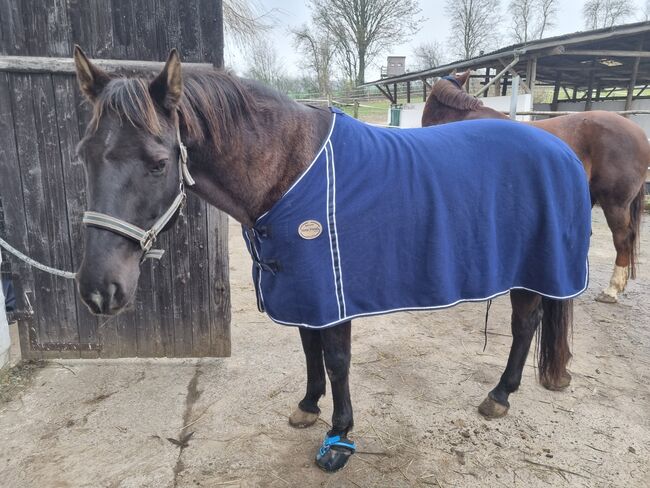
(416, 380)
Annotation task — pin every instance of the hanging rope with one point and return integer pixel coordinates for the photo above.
(35, 264)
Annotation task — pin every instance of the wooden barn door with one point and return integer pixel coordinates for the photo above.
(182, 306)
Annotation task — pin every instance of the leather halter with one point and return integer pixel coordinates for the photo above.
(146, 238)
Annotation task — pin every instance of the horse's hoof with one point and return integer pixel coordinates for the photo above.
(334, 453)
(559, 385)
(334, 460)
(492, 409)
(301, 419)
(605, 298)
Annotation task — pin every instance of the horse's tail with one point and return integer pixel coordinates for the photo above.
(636, 211)
(553, 343)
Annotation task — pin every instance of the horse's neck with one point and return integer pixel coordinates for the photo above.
(258, 168)
(436, 113)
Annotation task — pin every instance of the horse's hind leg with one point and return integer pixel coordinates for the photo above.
(618, 219)
(526, 316)
(307, 412)
(337, 448)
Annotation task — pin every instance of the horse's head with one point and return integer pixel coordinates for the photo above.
(130, 152)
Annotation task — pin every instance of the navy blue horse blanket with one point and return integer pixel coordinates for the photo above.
(385, 220)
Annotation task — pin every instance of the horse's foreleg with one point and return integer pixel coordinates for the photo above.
(618, 220)
(307, 412)
(526, 316)
(337, 448)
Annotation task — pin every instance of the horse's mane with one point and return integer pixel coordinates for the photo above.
(215, 105)
(447, 93)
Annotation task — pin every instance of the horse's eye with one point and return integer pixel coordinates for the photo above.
(159, 167)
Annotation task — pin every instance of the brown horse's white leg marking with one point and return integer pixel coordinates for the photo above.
(616, 285)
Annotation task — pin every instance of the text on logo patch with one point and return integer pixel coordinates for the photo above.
(310, 229)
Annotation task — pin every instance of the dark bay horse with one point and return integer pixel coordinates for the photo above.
(614, 151)
(247, 149)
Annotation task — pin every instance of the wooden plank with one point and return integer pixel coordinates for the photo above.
(211, 24)
(146, 35)
(44, 200)
(199, 281)
(74, 179)
(36, 64)
(610, 53)
(12, 31)
(190, 31)
(219, 278)
(182, 293)
(11, 193)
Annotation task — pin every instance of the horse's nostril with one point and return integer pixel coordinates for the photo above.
(95, 302)
(114, 295)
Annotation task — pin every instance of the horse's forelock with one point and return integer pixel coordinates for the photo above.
(130, 99)
(215, 106)
(448, 93)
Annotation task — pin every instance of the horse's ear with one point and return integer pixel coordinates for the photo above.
(167, 88)
(92, 80)
(463, 77)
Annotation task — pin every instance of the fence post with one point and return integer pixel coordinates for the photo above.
(356, 109)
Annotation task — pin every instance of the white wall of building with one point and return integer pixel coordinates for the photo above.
(609, 105)
(4, 331)
(411, 115)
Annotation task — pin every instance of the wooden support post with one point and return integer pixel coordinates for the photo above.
(532, 79)
(355, 109)
(598, 89)
(574, 97)
(590, 88)
(556, 91)
(504, 88)
(486, 80)
(408, 92)
(635, 73)
(395, 92)
(424, 89)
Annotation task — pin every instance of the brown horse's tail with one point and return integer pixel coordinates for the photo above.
(553, 351)
(636, 211)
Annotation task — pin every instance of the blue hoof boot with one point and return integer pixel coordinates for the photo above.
(334, 453)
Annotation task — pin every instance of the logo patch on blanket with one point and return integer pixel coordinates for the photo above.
(310, 229)
(385, 220)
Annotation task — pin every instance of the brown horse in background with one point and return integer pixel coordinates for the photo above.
(614, 151)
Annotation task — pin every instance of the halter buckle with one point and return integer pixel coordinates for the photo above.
(148, 240)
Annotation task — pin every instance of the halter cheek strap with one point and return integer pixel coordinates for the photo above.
(146, 238)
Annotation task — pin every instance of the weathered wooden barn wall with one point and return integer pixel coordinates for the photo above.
(183, 303)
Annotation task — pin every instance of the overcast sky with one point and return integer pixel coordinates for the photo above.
(291, 13)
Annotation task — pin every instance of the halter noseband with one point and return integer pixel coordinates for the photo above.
(146, 238)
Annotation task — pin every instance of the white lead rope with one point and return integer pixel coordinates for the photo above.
(35, 264)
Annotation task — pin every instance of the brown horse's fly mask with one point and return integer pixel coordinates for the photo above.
(134, 134)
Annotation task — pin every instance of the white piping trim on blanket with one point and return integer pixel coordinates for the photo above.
(336, 234)
(329, 228)
(436, 307)
(327, 139)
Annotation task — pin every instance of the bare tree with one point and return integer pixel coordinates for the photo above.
(427, 55)
(531, 18)
(522, 12)
(264, 65)
(547, 13)
(318, 52)
(606, 13)
(473, 25)
(646, 11)
(244, 21)
(363, 29)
